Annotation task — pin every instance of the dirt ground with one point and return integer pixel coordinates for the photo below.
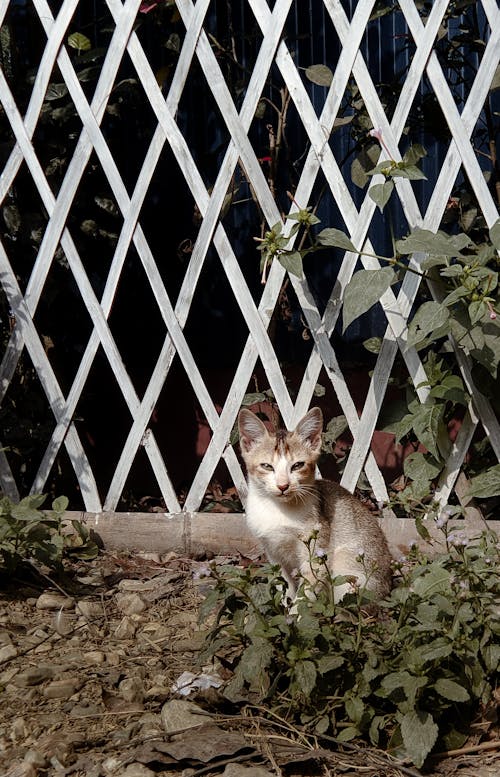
(87, 669)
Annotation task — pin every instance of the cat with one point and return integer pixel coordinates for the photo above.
(287, 504)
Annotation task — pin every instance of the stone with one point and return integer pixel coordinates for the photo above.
(130, 603)
(89, 609)
(95, 657)
(62, 689)
(53, 601)
(137, 770)
(178, 714)
(126, 628)
(34, 676)
(132, 690)
(7, 652)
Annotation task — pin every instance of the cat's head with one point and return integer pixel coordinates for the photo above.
(282, 464)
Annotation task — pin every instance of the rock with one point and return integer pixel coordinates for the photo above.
(34, 676)
(35, 758)
(7, 652)
(137, 770)
(19, 730)
(62, 689)
(90, 610)
(5, 637)
(52, 601)
(113, 765)
(238, 770)
(178, 714)
(126, 628)
(95, 657)
(132, 689)
(113, 658)
(130, 603)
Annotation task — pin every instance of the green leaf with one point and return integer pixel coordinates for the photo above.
(486, 484)
(414, 154)
(381, 193)
(78, 41)
(419, 732)
(495, 231)
(412, 172)
(330, 663)
(429, 317)
(305, 676)
(320, 75)
(355, 708)
(477, 310)
(255, 660)
(439, 243)
(60, 504)
(373, 344)
(56, 91)
(365, 288)
(292, 261)
(335, 238)
(418, 466)
(451, 690)
(435, 580)
(440, 647)
(426, 425)
(351, 732)
(366, 160)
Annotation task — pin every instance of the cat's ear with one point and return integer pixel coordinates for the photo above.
(251, 428)
(310, 427)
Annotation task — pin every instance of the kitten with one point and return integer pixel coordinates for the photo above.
(286, 504)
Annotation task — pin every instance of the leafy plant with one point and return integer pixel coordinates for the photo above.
(410, 680)
(29, 533)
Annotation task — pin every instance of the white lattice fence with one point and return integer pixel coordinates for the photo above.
(169, 140)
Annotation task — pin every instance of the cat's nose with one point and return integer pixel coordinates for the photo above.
(283, 487)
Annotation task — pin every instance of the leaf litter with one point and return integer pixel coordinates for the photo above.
(94, 675)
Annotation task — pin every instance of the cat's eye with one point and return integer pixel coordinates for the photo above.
(267, 466)
(297, 465)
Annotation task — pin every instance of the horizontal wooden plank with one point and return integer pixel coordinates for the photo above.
(227, 533)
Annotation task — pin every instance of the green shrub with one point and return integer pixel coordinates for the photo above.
(29, 533)
(409, 680)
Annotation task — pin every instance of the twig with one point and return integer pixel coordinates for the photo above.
(493, 745)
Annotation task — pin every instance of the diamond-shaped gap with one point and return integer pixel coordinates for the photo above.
(23, 223)
(129, 122)
(27, 423)
(103, 420)
(95, 221)
(314, 45)
(235, 37)
(216, 328)
(170, 220)
(460, 47)
(62, 321)
(136, 322)
(181, 431)
(60, 125)
(201, 121)
(387, 49)
(23, 42)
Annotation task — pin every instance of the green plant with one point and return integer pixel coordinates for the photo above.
(410, 680)
(29, 533)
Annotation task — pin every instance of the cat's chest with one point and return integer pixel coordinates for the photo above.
(266, 516)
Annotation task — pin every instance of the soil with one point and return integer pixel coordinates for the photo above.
(87, 669)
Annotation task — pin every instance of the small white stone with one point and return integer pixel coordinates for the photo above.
(7, 652)
(130, 603)
(51, 601)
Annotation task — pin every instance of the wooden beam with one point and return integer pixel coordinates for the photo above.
(227, 533)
